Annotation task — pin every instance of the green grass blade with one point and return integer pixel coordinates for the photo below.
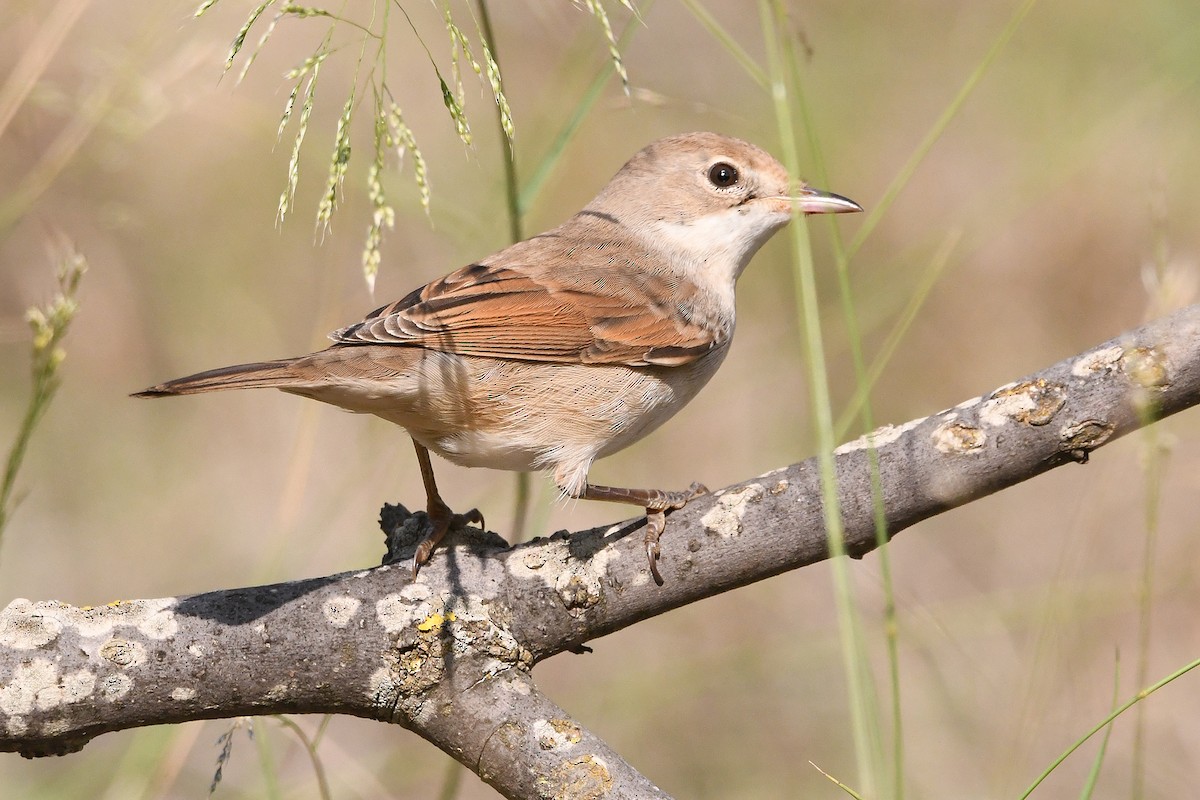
(864, 384)
(512, 198)
(726, 40)
(578, 114)
(1089, 786)
(310, 747)
(837, 783)
(1137, 698)
(864, 714)
(929, 278)
(939, 127)
(49, 325)
(266, 759)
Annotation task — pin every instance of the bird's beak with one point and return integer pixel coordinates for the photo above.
(815, 201)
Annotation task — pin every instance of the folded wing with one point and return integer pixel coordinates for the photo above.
(611, 316)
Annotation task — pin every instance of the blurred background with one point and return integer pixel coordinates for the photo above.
(1060, 204)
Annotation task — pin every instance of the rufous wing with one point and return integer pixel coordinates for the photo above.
(629, 318)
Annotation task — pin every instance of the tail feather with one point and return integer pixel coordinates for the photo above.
(263, 374)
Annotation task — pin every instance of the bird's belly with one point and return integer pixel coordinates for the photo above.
(492, 449)
(537, 416)
(525, 416)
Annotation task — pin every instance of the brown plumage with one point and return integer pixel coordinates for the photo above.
(567, 346)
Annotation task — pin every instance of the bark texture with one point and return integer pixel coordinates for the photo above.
(449, 655)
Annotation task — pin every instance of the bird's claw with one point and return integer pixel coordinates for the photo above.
(656, 523)
(442, 520)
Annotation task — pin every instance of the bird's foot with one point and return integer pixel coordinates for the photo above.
(441, 521)
(656, 522)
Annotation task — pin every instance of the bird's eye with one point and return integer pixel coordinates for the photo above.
(722, 175)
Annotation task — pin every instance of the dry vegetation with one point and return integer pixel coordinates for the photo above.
(1062, 197)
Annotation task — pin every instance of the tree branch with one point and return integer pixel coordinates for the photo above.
(449, 655)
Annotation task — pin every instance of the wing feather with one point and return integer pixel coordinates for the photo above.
(608, 316)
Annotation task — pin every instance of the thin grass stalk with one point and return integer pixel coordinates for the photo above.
(1089, 786)
(1153, 469)
(864, 714)
(266, 760)
(310, 747)
(727, 41)
(939, 127)
(838, 783)
(36, 56)
(1155, 456)
(451, 781)
(586, 102)
(512, 198)
(1137, 698)
(933, 271)
(863, 385)
(49, 325)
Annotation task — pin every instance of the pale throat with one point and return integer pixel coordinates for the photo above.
(716, 246)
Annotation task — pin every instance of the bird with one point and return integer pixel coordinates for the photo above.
(570, 345)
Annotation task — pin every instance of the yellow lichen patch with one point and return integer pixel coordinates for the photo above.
(1147, 367)
(583, 778)
(435, 620)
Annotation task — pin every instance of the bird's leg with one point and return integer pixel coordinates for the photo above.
(441, 518)
(656, 502)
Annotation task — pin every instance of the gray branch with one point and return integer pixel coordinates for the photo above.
(449, 655)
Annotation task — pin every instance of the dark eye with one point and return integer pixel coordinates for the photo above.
(722, 175)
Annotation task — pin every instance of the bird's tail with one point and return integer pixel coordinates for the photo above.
(263, 374)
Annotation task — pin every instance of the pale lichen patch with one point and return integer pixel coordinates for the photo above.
(725, 518)
(555, 734)
(181, 694)
(74, 687)
(1105, 359)
(56, 726)
(278, 692)
(97, 622)
(155, 618)
(339, 611)
(879, 437)
(541, 563)
(123, 653)
(115, 687)
(395, 613)
(25, 625)
(1005, 405)
(383, 688)
(956, 436)
(16, 725)
(1147, 367)
(1034, 402)
(578, 587)
(1082, 437)
(19, 695)
(585, 776)
(417, 591)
